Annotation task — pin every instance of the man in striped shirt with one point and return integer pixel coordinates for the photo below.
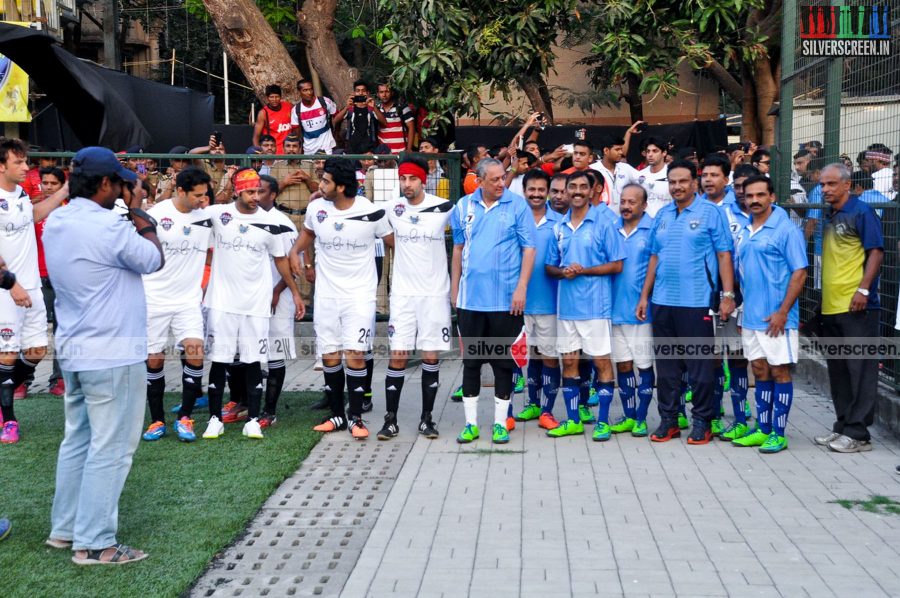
(399, 132)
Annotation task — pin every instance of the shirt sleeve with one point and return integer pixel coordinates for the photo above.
(613, 242)
(721, 234)
(131, 251)
(308, 220)
(653, 241)
(330, 106)
(406, 113)
(383, 227)
(869, 227)
(275, 243)
(456, 223)
(795, 249)
(553, 255)
(295, 121)
(526, 231)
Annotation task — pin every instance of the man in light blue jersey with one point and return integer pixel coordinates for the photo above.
(632, 339)
(772, 269)
(493, 256)
(586, 252)
(540, 309)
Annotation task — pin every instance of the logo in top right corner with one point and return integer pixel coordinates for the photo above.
(845, 30)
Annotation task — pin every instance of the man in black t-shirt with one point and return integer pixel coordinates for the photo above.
(363, 119)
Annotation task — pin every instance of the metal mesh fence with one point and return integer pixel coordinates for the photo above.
(839, 108)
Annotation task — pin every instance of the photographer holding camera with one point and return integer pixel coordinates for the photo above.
(363, 119)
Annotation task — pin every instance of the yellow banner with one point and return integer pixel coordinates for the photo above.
(13, 90)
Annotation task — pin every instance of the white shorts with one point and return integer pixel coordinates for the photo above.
(22, 328)
(633, 342)
(540, 332)
(421, 323)
(237, 333)
(343, 325)
(591, 336)
(781, 350)
(282, 344)
(727, 335)
(183, 322)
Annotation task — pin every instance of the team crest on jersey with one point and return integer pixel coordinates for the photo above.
(321, 215)
(621, 176)
(166, 223)
(641, 179)
(225, 218)
(6, 333)
(4, 204)
(187, 230)
(694, 224)
(390, 330)
(243, 228)
(338, 226)
(399, 209)
(414, 219)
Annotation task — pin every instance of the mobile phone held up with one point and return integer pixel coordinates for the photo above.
(360, 99)
(217, 136)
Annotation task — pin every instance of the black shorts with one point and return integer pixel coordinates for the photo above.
(486, 336)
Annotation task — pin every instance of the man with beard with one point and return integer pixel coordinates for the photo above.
(420, 293)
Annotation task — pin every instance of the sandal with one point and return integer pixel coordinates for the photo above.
(58, 544)
(122, 556)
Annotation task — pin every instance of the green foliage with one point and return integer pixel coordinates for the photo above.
(880, 505)
(441, 53)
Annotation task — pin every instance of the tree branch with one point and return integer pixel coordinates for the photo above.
(725, 79)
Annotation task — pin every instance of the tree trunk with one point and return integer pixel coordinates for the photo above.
(766, 93)
(316, 20)
(252, 44)
(539, 98)
(634, 99)
(749, 115)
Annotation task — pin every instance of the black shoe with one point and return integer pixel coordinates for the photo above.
(700, 435)
(367, 403)
(898, 469)
(427, 427)
(666, 432)
(321, 403)
(389, 429)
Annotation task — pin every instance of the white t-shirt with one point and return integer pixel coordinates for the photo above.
(657, 187)
(515, 185)
(314, 121)
(615, 181)
(420, 247)
(345, 248)
(18, 243)
(287, 236)
(184, 239)
(240, 281)
(884, 182)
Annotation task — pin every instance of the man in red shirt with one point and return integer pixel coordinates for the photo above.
(274, 119)
(32, 184)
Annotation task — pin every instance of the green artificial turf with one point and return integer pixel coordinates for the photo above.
(182, 503)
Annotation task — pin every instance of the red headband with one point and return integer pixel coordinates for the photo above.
(412, 169)
(245, 180)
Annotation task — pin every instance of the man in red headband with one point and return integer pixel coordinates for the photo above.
(239, 296)
(420, 292)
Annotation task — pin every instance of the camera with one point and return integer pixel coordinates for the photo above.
(360, 99)
(542, 120)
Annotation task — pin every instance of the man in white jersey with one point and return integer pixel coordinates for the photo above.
(281, 324)
(345, 228)
(239, 296)
(420, 292)
(616, 173)
(312, 117)
(653, 177)
(174, 298)
(23, 317)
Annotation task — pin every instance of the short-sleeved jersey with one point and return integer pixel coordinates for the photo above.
(315, 123)
(394, 133)
(686, 245)
(241, 277)
(420, 247)
(767, 257)
(542, 288)
(628, 284)
(278, 124)
(656, 184)
(185, 239)
(345, 248)
(613, 182)
(287, 235)
(593, 243)
(849, 233)
(18, 243)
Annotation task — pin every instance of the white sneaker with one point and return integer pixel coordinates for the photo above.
(318, 365)
(827, 439)
(214, 429)
(252, 429)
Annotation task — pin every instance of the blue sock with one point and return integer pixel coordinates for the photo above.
(550, 387)
(645, 393)
(739, 394)
(605, 394)
(719, 391)
(764, 391)
(535, 367)
(571, 387)
(627, 393)
(584, 375)
(784, 396)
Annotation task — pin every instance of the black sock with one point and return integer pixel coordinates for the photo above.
(7, 391)
(237, 383)
(23, 372)
(430, 383)
(253, 377)
(156, 386)
(216, 388)
(356, 380)
(393, 386)
(334, 388)
(370, 370)
(191, 388)
(274, 384)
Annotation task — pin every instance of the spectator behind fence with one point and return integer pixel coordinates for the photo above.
(435, 184)
(475, 154)
(762, 160)
(398, 133)
(296, 180)
(879, 157)
(312, 118)
(274, 119)
(862, 185)
(853, 249)
(362, 117)
(96, 259)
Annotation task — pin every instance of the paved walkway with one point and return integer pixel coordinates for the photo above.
(542, 517)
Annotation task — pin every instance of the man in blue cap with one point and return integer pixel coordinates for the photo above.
(96, 259)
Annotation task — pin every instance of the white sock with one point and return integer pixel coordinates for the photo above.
(501, 411)
(470, 407)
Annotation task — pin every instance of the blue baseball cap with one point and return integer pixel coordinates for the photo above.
(99, 161)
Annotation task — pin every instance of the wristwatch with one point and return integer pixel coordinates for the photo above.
(863, 292)
(728, 294)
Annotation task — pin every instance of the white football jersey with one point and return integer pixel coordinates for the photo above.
(18, 243)
(420, 247)
(345, 247)
(240, 281)
(657, 188)
(623, 174)
(287, 236)
(184, 239)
